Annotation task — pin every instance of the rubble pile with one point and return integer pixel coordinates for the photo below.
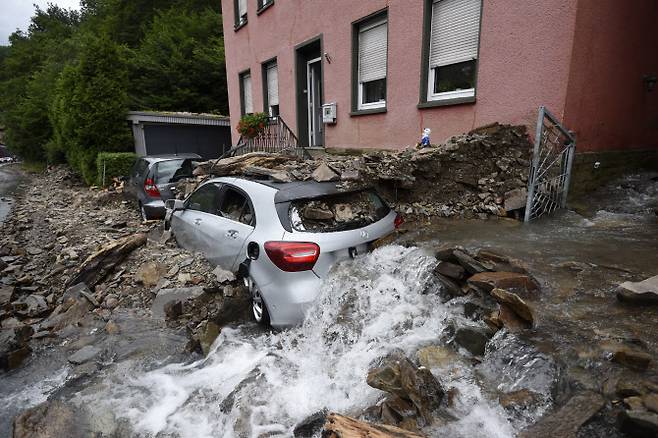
(478, 174)
(70, 254)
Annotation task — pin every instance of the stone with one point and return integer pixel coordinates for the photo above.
(6, 295)
(446, 255)
(650, 401)
(350, 175)
(643, 292)
(207, 335)
(450, 270)
(436, 356)
(567, 420)
(111, 301)
(173, 309)
(149, 273)
(515, 199)
(84, 354)
(448, 285)
(634, 403)
(31, 306)
(343, 213)
(175, 294)
(632, 358)
(323, 173)
(639, 423)
(51, 419)
(320, 214)
(503, 280)
(222, 275)
(510, 320)
(311, 425)
(469, 263)
(520, 399)
(112, 328)
(394, 410)
(397, 375)
(625, 388)
(498, 262)
(520, 307)
(473, 339)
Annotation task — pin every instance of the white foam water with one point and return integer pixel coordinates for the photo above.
(256, 384)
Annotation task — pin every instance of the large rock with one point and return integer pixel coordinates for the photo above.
(515, 199)
(13, 346)
(643, 292)
(504, 280)
(450, 270)
(52, 419)
(639, 423)
(149, 273)
(498, 262)
(631, 357)
(85, 354)
(397, 375)
(74, 308)
(520, 307)
(473, 339)
(468, 262)
(565, 422)
(31, 306)
(323, 173)
(449, 285)
(165, 296)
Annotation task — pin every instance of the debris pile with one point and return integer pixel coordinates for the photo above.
(478, 174)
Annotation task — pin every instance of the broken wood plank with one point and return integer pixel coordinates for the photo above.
(341, 426)
(98, 265)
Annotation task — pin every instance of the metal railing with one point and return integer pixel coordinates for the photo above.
(550, 171)
(276, 137)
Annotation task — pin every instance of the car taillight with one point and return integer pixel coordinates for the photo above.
(151, 189)
(293, 256)
(399, 220)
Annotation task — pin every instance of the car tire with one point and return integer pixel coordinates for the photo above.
(258, 306)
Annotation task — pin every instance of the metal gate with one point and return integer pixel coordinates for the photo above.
(550, 171)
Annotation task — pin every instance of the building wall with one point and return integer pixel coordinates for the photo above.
(615, 45)
(524, 60)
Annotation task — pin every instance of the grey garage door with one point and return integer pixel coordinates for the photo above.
(207, 141)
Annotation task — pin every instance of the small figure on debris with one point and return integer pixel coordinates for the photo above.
(425, 138)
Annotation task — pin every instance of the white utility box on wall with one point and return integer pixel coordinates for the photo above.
(329, 113)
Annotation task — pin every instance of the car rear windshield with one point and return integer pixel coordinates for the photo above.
(341, 212)
(174, 170)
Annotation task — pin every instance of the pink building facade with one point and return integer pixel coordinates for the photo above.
(395, 67)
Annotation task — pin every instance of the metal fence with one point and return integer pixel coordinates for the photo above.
(550, 171)
(277, 137)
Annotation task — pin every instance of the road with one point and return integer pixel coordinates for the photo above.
(10, 177)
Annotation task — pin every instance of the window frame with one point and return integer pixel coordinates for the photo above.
(218, 187)
(239, 23)
(372, 20)
(225, 188)
(263, 5)
(427, 97)
(243, 106)
(264, 67)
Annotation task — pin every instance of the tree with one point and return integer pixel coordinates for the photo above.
(180, 64)
(90, 105)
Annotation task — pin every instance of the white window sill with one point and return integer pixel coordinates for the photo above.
(450, 95)
(374, 105)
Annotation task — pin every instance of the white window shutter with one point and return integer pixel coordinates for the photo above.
(242, 8)
(455, 31)
(373, 45)
(246, 87)
(272, 85)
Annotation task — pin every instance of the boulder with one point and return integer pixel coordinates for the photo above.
(323, 173)
(173, 309)
(51, 419)
(397, 375)
(311, 425)
(519, 400)
(319, 214)
(13, 346)
(473, 339)
(639, 423)
(450, 270)
(31, 306)
(436, 356)
(149, 273)
(515, 199)
(84, 354)
(207, 334)
(643, 292)
(165, 296)
(503, 280)
(631, 357)
(469, 263)
(74, 308)
(498, 262)
(222, 275)
(510, 320)
(448, 285)
(520, 307)
(567, 420)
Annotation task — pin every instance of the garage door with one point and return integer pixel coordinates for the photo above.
(207, 141)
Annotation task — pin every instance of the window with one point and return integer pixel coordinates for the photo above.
(245, 93)
(262, 4)
(240, 13)
(372, 46)
(173, 170)
(271, 92)
(205, 199)
(140, 168)
(236, 207)
(453, 51)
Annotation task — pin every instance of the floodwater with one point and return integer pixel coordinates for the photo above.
(10, 177)
(256, 383)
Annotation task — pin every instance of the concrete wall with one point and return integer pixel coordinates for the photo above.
(525, 55)
(608, 106)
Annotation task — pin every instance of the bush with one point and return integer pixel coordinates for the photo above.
(251, 125)
(117, 164)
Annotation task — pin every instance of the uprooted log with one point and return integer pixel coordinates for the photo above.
(237, 165)
(98, 265)
(341, 426)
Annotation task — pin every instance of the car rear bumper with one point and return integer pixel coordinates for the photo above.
(155, 209)
(289, 297)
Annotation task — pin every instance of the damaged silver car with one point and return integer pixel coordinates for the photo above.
(282, 237)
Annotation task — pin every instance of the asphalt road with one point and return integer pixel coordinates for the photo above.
(10, 177)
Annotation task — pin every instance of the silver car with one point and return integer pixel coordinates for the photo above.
(153, 179)
(282, 238)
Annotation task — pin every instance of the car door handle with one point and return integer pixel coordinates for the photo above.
(197, 221)
(233, 234)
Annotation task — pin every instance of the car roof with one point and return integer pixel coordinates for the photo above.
(292, 191)
(154, 158)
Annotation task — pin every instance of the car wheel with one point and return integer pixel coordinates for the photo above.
(142, 212)
(258, 306)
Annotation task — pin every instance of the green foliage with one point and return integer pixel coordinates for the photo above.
(251, 125)
(90, 105)
(114, 164)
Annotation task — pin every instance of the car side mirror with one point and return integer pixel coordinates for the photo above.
(174, 204)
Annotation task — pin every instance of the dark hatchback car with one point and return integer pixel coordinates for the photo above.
(153, 179)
